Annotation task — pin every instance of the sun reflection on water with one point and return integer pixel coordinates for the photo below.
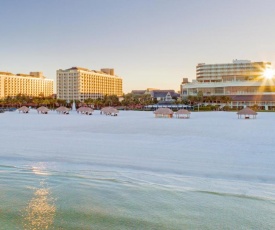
(40, 211)
(40, 169)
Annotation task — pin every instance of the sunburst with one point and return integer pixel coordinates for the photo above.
(268, 73)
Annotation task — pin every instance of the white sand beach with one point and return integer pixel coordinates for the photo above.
(138, 170)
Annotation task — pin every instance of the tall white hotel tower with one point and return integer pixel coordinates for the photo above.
(243, 81)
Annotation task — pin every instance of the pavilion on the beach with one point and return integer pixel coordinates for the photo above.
(164, 113)
(85, 110)
(24, 109)
(182, 113)
(43, 110)
(247, 113)
(109, 111)
(63, 110)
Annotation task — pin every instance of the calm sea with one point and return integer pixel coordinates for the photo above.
(136, 172)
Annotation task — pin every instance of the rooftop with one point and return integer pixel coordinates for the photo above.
(31, 74)
(107, 71)
(236, 62)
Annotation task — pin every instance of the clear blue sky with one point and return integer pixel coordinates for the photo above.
(149, 43)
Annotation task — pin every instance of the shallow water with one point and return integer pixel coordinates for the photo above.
(136, 172)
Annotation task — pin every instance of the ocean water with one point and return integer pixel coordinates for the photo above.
(134, 171)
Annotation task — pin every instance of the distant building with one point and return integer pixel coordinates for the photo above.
(138, 92)
(237, 78)
(240, 78)
(185, 80)
(79, 83)
(160, 95)
(33, 84)
(141, 92)
(165, 95)
(238, 70)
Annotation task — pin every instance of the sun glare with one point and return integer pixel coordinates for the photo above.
(268, 73)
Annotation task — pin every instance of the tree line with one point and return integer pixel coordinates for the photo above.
(128, 100)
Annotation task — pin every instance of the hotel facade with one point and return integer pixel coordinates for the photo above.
(79, 83)
(243, 81)
(33, 84)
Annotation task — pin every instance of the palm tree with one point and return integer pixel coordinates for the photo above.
(2, 102)
(128, 99)
(227, 99)
(52, 102)
(61, 102)
(184, 101)
(192, 99)
(98, 103)
(46, 102)
(213, 99)
(200, 96)
(145, 99)
(113, 100)
(89, 101)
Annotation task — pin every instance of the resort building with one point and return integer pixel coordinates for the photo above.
(33, 84)
(79, 83)
(165, 95)
(245, 82)
(160, 95)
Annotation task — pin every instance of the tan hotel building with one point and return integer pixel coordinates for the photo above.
(79, 83)
(33, 84)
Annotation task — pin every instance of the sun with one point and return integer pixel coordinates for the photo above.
(268, 73)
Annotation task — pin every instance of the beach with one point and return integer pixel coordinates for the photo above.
(135, 171)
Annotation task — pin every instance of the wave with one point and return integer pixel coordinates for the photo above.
(8, 166)
(242, 196)
(145, 179)
(99, 218)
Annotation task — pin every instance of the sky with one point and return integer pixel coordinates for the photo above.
(149, 43)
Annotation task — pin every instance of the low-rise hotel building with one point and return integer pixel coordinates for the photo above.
(160, 95)
(33, 84)
(243, 81)
(79, 83)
